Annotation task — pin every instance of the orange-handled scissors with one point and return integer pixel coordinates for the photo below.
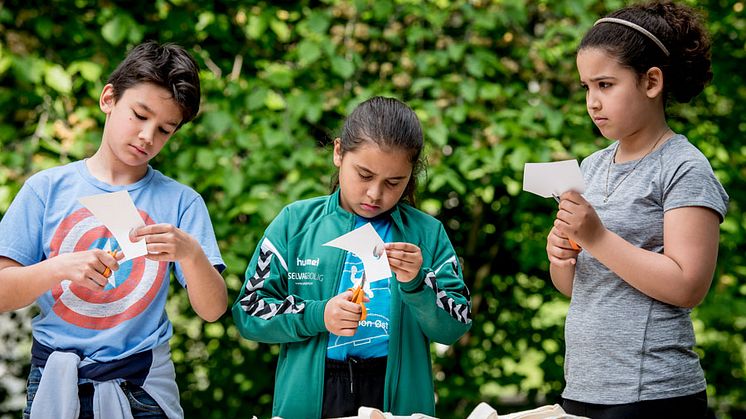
(572, 243)
(107, 271)
(358, 297)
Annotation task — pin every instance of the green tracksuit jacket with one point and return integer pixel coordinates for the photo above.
(291, 277)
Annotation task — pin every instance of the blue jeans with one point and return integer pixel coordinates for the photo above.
(142, 405)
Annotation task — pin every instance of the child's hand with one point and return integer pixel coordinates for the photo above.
(405, 260)
(559, 249)
(577, 220)
(166, 242)
(86, 268)
(341, 316)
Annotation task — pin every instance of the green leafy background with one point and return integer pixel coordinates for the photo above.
(495, 86)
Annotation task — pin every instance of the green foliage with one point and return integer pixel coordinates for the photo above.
(495, 86)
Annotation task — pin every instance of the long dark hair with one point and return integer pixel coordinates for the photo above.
(390, 124)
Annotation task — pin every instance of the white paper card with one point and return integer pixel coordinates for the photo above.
(555, 178)
(366, 243)
(117, 212)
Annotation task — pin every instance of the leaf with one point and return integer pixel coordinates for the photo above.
(44, 27)
(233, 182)
(308, 52)
(474, 66)
(342, 67)
(279, 75)
(456, 51)
(90, 71)
(206, 159)
(554, 121)
(115, 30)
(280, 29)
(257, 98)
(274, 101)
(217, 122)
(5, 63)
(420, 84)
(438, 133)
(56, 78)
(29, 69)
(318, 22)
(273, 137)
(468, 90)
(256, 26)
(490, 91)
(457, 113)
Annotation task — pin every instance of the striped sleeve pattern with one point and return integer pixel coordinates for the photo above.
(254, 303)
(443, 300)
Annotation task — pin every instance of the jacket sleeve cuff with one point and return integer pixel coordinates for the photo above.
(415, 284)
(314, 316)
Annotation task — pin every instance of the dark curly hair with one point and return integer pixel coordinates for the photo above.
(390, 124)
(680, 28)
(168, 66)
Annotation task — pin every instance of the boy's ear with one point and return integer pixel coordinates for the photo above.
(106, 101)
(654, 82)
(337, 152)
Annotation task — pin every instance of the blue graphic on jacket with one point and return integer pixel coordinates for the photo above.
(372, 337)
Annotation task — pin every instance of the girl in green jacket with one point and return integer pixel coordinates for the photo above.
(297, 291)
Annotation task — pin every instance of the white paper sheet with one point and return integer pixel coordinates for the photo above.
(117, 212)
(364, 242)
(555, 178)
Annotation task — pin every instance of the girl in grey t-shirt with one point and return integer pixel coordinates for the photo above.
(648, 223)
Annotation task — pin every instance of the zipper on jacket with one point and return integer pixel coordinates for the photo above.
(392, 365)
(337, 281)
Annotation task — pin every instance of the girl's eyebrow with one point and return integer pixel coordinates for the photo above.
(365, 169)
(599, 78)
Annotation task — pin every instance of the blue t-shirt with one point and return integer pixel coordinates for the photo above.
(371, 340)
(46, 219)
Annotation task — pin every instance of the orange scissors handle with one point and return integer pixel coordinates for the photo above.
(358, 297)
(107, 271)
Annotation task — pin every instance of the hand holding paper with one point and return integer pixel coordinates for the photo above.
(367, 245)
(555, 178)
(405, 259)
(550, 180)
(117, 212)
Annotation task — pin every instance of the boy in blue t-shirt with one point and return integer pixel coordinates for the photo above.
(100, 346)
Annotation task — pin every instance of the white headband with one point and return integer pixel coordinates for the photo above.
(637, 28)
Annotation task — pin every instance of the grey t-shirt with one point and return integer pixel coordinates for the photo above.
(621, 345)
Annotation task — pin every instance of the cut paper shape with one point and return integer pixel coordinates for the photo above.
(366, 243)
(117, 212)
(554, 178)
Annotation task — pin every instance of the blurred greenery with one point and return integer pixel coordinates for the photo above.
(495, 86)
